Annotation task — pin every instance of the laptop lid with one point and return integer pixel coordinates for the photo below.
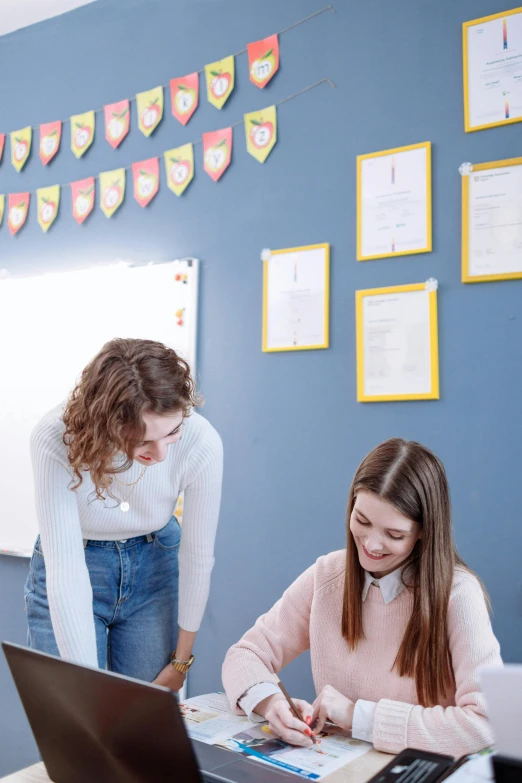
(502, 687)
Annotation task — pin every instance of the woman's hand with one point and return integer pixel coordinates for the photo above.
(170, 678)
(333, 706)
(282, 722)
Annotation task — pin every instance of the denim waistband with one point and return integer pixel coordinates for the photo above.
(121, 544)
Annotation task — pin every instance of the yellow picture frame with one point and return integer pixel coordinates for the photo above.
(429, 228)
(465, 27)
(266, 262)
(434, 392)
(466, 277)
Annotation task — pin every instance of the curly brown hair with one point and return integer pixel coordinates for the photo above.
(104, 414)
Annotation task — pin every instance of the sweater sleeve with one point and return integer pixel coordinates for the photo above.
(69, 591)
(463, 728)
(276, 639)
(201, 501)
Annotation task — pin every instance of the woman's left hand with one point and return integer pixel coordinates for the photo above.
(170, 678)
(333, 706)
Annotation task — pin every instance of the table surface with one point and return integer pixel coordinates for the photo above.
(358, 771)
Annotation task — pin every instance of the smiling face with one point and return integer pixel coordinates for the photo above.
(160, 433)
(383, 536)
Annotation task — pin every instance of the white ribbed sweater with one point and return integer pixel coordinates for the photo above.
(194, 465)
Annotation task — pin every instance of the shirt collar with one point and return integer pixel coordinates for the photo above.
(391, 585)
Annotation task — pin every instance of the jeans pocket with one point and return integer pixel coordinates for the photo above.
(168, 537)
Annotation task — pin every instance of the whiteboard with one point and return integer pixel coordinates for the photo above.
(51, 326)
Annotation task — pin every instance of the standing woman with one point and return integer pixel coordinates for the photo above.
(103, 587)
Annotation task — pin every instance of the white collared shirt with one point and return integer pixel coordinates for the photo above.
(391, 586)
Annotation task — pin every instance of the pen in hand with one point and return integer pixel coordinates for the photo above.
(294, 709)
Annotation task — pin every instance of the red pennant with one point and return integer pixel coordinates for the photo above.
(263, 60)
(217, 152)
(17, 209)
(83, 193)
(2, 143)
(146, 180)
(50, 136)
(117, 122)
(184, 93)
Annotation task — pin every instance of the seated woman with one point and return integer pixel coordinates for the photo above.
(397, 625)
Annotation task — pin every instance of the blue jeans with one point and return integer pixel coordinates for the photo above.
(135, 601)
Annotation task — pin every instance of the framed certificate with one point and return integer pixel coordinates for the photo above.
(296, 295)
(492, 62)
(492, 222)
(397, 343)
(394, 202)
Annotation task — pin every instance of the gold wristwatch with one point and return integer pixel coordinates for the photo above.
(181, 666)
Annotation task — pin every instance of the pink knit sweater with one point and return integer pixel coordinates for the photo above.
(308, 616)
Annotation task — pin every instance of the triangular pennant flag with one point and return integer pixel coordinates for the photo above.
(48, 201)
(261, 132)
(2, 143)
(112, 191)
(217, 151)
(179, 165)
(50, 136)
(82, 193)
(263, 60)
(150, 109)
(21, 147)
(146, 180)
(117, 122)
(184, 93)
(82, 132)
(2, 208)
(17, 209)
(220, 78)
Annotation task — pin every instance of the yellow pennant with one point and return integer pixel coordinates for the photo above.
(112, 191)
(21, 147)
(2, 208)
(150, 109)
(82, 132)
(48, 201)
(261, 132)
(220, 81)
(179, 165)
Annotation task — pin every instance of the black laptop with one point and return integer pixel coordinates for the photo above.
(94, 726)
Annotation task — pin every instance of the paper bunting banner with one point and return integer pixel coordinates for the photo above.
(146, 180)
(82, 193)
(261, 132)
(217, 150)
(112, 191)
(263, 60)
(220, 81)
(150, 109)
(50, 135)
(20, 147)
(179, 165)
(17, 209)
(184, 95)
(82, 132)
(2, 208)
(117, 122)
(48, 201)
(2, 143)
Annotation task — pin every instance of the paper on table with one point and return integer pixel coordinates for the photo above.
(209, 718)
(477, 770)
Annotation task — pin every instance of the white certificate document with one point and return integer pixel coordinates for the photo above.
(396, 345)
(493, 71)
(296, 300)
(394, 203)
(495, 221)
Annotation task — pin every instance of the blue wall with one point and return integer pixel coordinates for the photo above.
(292, 429)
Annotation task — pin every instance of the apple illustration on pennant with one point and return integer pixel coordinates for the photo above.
(146, 183)
(261, 133)
(180, 171)
(112, 195)
(16, 214)
(220, 84)
(215, 157)
(150, 115)
(263, 67)
(48, 144)
(185, 99)
(83, 202)
(81, 135)
(47, 210)
(20, 149)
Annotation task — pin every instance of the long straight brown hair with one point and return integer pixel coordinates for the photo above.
(413, 480)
